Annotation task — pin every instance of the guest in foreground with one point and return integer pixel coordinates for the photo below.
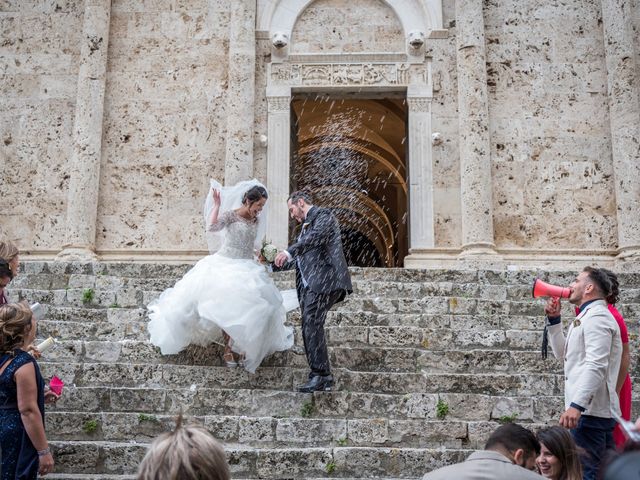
(6, 275)
(624, 467)
(591, 354)
(25, 451)
(10, 253)
(559, 458)
(187, 453)
(510, 454)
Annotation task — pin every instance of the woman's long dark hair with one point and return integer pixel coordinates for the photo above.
(560, 443)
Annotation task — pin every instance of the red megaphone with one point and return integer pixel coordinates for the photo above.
(542, 289)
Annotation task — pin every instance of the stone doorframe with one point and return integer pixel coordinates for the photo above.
(336, 76)
(365, 73)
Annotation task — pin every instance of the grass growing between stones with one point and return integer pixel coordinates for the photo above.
(330, 467)
(90, 426)
(508, 418)
(143, 417)
(342, 442)
(88, 295)
(442, 409)
(307, 409)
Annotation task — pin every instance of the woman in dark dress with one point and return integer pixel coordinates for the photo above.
(25, 451)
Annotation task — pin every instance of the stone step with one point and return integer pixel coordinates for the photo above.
(430, 305)
(263, 431)
(459, 320)
(175, 270)
(204, 401)
(88, 476)
(71, 337)
(72, 476)
(113, 458)
(370, 358)
(128, 287)
(169, 375)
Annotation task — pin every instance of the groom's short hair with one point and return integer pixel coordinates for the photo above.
(301, 195)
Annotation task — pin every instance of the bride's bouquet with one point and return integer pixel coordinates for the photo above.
(268, 252)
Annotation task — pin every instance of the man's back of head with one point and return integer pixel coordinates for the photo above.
(509, 454)
(515, 442)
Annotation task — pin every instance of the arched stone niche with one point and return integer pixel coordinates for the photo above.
(401, 68)
(280, 16)
(336, 26)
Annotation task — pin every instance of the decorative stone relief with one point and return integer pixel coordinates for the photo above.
(340, 74)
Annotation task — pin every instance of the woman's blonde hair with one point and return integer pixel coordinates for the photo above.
(187, 453)
(8, 250)
(15, 325)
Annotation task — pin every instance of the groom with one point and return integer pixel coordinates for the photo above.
(322, 280)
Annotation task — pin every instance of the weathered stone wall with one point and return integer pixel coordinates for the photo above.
(550, 142)
(39, 52)
(165, 119)
(338, 26)
(164, 123)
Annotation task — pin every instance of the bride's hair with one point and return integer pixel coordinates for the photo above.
(254, 194)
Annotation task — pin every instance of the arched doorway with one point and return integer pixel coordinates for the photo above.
(349, 153)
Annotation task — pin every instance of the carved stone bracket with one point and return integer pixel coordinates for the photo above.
(348, 74)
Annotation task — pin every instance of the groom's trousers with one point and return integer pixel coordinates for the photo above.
(314, 308)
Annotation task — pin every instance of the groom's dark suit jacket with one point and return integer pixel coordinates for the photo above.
(318, 254)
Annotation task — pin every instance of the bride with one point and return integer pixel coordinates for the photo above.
(227, 297)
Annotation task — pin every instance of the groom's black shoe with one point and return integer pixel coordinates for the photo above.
(317, 383)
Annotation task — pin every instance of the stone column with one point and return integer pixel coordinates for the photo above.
(420, 169)
(241, 92)
(624, 114)
(475, 157)
(278, 158)
(82, 201)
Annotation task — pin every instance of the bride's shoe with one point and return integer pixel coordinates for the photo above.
(241, 360)
(229, 361)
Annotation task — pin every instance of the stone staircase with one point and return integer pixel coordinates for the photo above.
(427, 363)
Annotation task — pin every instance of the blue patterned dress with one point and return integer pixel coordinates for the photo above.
(19, 457)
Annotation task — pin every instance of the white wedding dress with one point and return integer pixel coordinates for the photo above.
(227, 291)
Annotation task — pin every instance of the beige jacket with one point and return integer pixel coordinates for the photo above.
(591, 354)
(483, 465)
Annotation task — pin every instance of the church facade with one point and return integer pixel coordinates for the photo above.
(438, 131)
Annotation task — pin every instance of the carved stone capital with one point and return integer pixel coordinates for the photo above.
(278, 104)
(419, 104)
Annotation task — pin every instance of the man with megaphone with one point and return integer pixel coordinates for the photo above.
(591, 354)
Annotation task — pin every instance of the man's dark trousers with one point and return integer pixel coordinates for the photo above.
(595, 436)
(314, 308)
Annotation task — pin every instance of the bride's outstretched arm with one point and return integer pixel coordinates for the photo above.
(215, 210)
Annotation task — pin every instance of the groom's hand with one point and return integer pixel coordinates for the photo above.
(281, 259)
